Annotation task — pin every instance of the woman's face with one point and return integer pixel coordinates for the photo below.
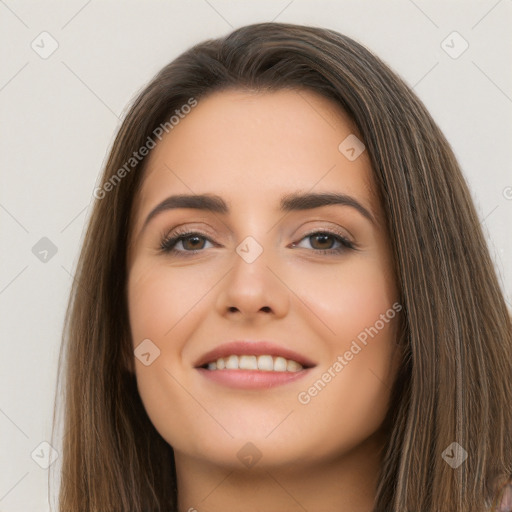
(312, 280)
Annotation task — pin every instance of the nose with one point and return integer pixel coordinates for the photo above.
(253, 289)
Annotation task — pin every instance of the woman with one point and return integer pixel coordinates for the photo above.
(284, 299)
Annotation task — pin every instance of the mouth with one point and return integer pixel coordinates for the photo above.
(251, 365)
(264, 363)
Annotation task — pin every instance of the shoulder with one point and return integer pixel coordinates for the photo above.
(504, 497)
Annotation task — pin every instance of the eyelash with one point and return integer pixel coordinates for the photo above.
(168, 242)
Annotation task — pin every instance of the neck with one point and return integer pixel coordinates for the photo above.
(347, 482)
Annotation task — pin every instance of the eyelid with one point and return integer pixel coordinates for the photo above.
(186, 229)
(176, 235)
(190, 230)
(333, 231)
(346, 243)
(169, 241)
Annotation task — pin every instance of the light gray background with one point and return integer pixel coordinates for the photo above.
(59, 116)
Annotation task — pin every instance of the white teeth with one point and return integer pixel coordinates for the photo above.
(279, 364)
(291, 366)
(266, 363)
(247, 363)
(232, 363)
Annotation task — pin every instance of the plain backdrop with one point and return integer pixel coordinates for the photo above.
(69, 70)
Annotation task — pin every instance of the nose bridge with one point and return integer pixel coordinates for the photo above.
(251, 285)
(250, 267)
(256, 238)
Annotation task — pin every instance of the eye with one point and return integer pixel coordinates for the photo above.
(190, 242)
(324, 242)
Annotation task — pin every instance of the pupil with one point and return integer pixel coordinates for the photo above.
(195, 238)
(324, 237)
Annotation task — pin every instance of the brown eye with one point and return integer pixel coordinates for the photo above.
(322, 241)
(325, 242)
(193, 242)
(189, 242)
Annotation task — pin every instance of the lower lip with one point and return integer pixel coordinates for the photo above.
(252, 379)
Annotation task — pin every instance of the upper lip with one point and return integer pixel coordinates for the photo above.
(256, 348)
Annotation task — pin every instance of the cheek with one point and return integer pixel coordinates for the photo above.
(159, 300)
(347, 399)
(345, 299)
(351, 390)
(164, 310)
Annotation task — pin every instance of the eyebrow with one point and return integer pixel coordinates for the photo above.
(289, 203)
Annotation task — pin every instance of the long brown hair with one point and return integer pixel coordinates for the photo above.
(454, 384)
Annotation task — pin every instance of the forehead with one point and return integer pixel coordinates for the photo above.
(253, 147)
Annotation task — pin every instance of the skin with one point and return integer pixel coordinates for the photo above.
(251, 149)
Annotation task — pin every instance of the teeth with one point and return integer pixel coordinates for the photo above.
(232, 363)
(279, 364)
(265, 363)
(247, 363)
(293, 366)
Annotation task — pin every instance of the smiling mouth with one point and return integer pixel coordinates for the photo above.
(265, 363)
